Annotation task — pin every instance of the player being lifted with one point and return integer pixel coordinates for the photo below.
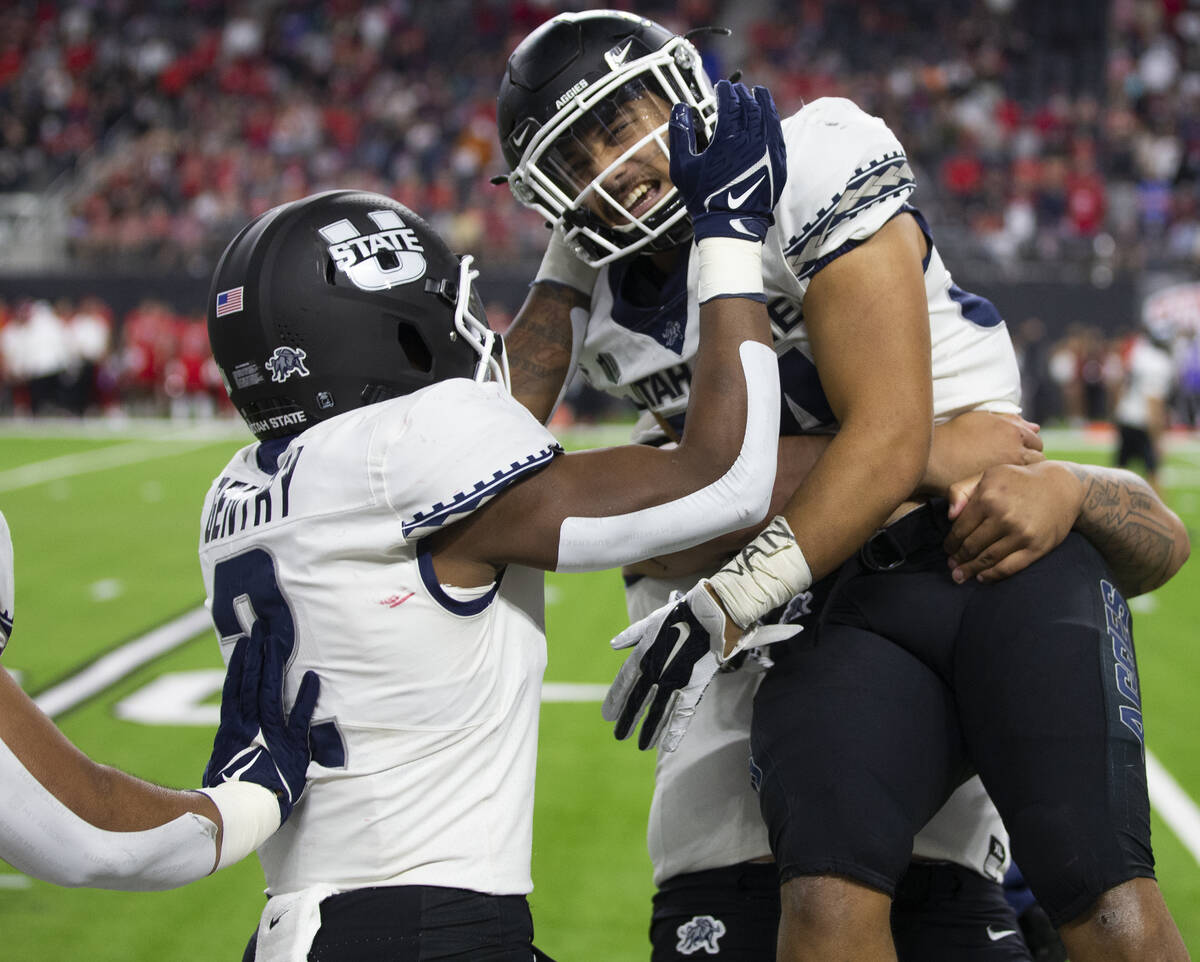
(389, 523)
(857, 291)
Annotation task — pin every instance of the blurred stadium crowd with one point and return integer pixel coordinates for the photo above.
(66, 358)
(1046, 136)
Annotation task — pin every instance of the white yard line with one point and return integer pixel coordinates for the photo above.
(125, 429)
(121, 662)
(570, 691)
(85, 462)
(1176, 807)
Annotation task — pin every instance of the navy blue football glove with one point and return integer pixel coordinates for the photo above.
(255, 741)
(731, 187)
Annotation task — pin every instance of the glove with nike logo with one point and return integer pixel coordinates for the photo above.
(677, 650)
(256, 741)
(731, 187)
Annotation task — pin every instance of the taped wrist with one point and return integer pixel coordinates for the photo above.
(249, 816)
(765, 574)
(730, 268)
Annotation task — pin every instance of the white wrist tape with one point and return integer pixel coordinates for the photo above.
(740, 497)
(561, 265)
(729, 268)
(249, 816)
(43, 838)
(766, 573)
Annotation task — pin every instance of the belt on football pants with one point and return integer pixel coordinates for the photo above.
(922, 528)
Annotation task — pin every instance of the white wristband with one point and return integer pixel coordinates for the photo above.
(768, 572)
(729, 268)
(249, 816)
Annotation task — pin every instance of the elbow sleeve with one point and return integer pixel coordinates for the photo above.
(740, 497)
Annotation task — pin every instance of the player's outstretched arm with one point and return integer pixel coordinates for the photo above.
(797, 454)
(71, 821)
(74, 822)
(1010, 516)
(600, 509)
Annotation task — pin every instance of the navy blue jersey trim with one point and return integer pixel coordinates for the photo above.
(268, 454)
(924, 225)
(328, 743)
(452, 605)
(850, 245)
(815, 266)
(761, 298)
(976, 309)
(464, 502)
(6, 624)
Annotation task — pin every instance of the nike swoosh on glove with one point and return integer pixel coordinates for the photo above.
(732, 186)
(256, 741)
(677, 649)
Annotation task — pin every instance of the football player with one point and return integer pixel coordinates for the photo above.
(855, 289)
(71, 821)
(391, 523)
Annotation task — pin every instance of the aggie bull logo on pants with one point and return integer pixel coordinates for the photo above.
(701, 933)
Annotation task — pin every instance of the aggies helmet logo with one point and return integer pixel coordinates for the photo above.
(286, 361)
(378, 259)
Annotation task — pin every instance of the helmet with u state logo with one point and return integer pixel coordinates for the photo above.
(582, 114)
(338, 300)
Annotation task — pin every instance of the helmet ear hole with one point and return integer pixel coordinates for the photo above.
(330, 271)
(416, 351)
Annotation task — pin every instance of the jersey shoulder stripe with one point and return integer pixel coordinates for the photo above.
(886, 178)
(457, 446)
(428, 519)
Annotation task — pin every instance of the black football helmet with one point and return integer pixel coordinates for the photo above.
(583, 73)
(338, 300)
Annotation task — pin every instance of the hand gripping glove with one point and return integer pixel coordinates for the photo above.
(677, 650)
(255, 741)
(732, 186)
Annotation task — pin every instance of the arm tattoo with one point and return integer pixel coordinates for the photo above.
(1127, 524)
(539, 346)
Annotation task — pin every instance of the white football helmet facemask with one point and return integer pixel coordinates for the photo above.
(588, 147)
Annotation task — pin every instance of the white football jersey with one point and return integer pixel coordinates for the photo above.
(704, 812)
(1149, 376)
(425, 732)
(847, 177)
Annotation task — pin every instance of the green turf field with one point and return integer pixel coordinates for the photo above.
(105, 527)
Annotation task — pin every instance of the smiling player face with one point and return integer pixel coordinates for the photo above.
(616, 154)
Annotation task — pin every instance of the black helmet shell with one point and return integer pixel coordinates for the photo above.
(331, 302)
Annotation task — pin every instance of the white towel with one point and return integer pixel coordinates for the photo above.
(289, 923)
